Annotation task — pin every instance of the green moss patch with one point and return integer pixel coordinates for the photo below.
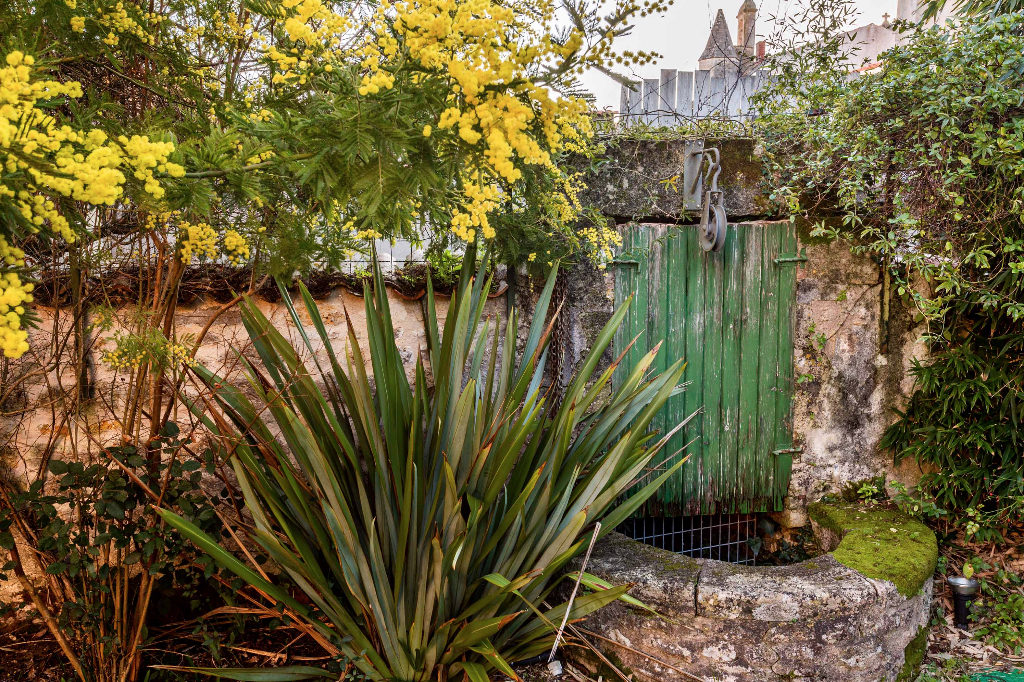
(913, 656)
(881, 543)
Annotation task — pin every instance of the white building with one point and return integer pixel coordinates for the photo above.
(867, 42)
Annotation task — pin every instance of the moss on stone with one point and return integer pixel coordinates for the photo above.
(606, 672)
(880, 543)
(913, 655)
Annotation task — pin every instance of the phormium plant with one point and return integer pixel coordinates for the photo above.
(427, 522)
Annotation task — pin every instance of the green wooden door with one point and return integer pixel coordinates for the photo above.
(730, 315)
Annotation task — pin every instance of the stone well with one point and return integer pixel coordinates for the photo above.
(854, 614)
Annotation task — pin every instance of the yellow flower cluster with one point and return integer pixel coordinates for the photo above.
(493, 101)
(41, 160)
(179, 354)
(13, 295)
(235, 247)
(373, 83)
(230, 30)
(481, 200)
(488, 54)
(198, 239)
(261, 157)
(83, 166)
(117, 20)
(123, 358)
(145, 156)
(313, 22)
(155, 220)
(78, 24)
(132, 352)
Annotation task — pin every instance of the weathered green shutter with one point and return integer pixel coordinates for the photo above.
(730, 315)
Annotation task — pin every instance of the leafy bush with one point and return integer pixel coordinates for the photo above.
(998, 611)
(923, 161)
(92, 532)
(427, 523)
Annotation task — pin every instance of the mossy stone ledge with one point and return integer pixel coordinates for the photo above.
(857, 613)
(879, 543)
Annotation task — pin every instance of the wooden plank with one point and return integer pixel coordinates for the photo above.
(695, 322)
(636, 95)
(623, 288)
(684, 93)
(629, 103)
(650, 102)
(701, 92)
(677, 243)
(717, 97)
(750, 352)
(639, 308)
(769, 367)
(748, 86)
(737, 99)
(782, 465)
(657, 305)
(732, 331)
(711, 460)
(667, 97)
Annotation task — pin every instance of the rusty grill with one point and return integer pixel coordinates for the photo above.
(725, 537)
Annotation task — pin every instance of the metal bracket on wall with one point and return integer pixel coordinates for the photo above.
(693, 179)
(626, 262)
(787, 451)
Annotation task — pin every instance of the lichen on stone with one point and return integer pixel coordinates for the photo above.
(880, 543)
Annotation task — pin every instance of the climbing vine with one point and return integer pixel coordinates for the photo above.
(920, 164)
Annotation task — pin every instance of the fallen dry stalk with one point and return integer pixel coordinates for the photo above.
(641, 653)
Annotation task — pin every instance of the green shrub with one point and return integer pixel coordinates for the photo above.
(426, 524)
(919, 166)
(105, 555)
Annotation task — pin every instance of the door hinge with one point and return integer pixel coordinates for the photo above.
(800, 258)
(631, 263)
(787, 451)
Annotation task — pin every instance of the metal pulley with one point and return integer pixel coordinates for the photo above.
(713, 226)
(713, 222)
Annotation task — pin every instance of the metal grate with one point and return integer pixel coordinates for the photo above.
(711, 536)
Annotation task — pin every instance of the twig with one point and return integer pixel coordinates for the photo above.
(647, 656)
(572, 597)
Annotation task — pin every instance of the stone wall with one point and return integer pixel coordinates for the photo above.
(853, 347)
(819, 620)
(32, 429)
(852, 362)
(27, 430)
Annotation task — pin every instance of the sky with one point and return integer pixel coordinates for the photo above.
(681, 33)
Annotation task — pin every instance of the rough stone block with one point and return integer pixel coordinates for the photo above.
(643, 179)
(818, 620)
(664, 581)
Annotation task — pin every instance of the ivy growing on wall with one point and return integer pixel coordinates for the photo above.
(920, 164)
